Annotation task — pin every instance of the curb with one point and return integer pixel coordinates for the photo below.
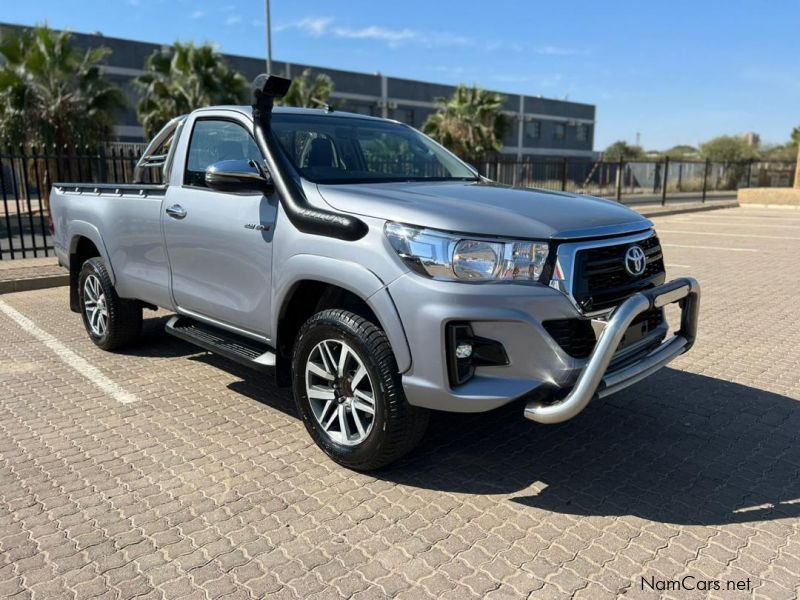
(770, 206)
(687, 209)
(34, 283)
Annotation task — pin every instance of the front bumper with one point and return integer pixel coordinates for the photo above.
(595, 381)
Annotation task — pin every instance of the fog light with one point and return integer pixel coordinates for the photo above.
(463, 350)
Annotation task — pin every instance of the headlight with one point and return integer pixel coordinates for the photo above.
(451, 256)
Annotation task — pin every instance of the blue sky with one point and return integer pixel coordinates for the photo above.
(676, 72)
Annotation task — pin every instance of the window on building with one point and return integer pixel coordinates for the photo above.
(533, 130)
(404, 115)
(582, 132)
(559, 132)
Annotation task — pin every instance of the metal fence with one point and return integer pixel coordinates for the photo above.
(26, 175)
(641, 181)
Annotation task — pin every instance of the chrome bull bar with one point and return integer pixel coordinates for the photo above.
(594, 381)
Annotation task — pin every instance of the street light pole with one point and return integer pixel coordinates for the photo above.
(269, 39)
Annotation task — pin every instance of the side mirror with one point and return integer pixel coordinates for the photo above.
(238, 177)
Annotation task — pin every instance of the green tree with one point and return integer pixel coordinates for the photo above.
(50, 93)
(779, 152)
(308, 93)
(470, 124)
(623, 150)
(682, 152)
(180, 78)
(726, 148)
(782, 152)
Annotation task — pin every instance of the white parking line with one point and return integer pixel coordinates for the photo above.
(69, 357)
(677, 266)
(736, 235)
(775, 217)
(731, 223)
(710, 248)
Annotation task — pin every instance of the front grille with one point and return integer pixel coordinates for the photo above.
(576, 336)
(601, 280)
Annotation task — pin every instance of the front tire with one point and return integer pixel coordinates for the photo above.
(110, 321)
(348, 392)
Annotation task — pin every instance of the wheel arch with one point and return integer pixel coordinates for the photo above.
(85, 242)
(309, 284)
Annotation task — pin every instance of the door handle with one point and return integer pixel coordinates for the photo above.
(176, 211)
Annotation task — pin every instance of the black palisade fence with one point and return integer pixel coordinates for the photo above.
(27, 174)
(631, 182)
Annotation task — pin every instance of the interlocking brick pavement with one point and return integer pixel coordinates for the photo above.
(21, 275)
(208, 486)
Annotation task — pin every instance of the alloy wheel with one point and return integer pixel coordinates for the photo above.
(94, 304)
(340, 392)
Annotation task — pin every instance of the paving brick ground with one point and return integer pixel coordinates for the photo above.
(27, 268)
(208, 486)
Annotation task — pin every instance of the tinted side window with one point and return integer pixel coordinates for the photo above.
(213, 141)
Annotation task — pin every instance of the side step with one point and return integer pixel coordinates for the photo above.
(225, 343)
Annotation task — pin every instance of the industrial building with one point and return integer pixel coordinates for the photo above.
(541, 126)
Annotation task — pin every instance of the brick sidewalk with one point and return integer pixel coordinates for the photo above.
(26, 274)
(208, 486)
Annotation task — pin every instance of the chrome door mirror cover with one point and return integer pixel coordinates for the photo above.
(238, 177)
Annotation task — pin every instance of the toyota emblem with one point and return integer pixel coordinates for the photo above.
(635, 261)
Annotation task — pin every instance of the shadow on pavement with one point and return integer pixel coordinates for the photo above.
(157, 343)
(676, 448)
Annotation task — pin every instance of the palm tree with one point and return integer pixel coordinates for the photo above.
(52, 94)
(308, 93)
(470, 124)
(181, 78)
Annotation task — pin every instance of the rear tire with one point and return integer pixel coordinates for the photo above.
(353, 407)
(110, 321)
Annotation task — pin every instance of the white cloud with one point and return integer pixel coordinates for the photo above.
(315, 26)
(558, 51)
(373, 32)
(326, 26)
(198, 14)
(445, 38)
(233, 20)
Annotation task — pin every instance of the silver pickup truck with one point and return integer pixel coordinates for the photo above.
(372, 271)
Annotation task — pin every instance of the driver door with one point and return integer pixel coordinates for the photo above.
(219, 244)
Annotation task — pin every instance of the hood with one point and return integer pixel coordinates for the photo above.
(486, 209)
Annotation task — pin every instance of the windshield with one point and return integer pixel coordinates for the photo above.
(331, 149)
